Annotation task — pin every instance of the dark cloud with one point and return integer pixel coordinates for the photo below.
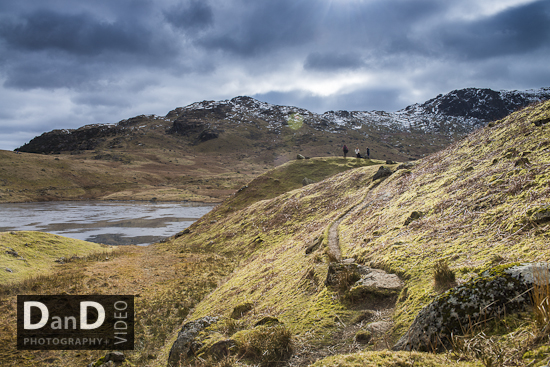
(81, 34)
(263, 27)
(43, 71)
(514, 31)
(332, 61)
(191, 16)
(51, 49)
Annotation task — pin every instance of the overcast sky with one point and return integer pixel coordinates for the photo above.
(66, 63)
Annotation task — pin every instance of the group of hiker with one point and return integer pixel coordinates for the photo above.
(357, 152)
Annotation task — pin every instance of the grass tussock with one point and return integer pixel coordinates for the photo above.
(541, 298)
(444, 276)
(267, 344)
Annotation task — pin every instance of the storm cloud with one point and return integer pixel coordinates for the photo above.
(65, 64)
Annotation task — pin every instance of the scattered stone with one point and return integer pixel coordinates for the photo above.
(299, 156)
(61, 260)
(541, 122)
(414, 216)
(117, 357)
(368, 281)
(183, 344)
(9, 270)
(306, 181)
(389, 161)
(379, 327)
(213, 221)
(12, 252)
(502, 290)
(382, 172)
(348, 261)
(377, 278)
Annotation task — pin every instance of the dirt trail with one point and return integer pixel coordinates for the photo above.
(333, 237)
(333, 240)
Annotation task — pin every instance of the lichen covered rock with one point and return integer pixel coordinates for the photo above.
(504, 288)
(183, 346)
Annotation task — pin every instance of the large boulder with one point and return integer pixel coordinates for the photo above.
(500, 290)
(363, 284)
(382, 172)
(183, 346)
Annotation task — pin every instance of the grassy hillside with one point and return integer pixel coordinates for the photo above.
(170, 281)
(26, 254)
(139, 174)
(481, 202)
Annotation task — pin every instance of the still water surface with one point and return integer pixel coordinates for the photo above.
(111, 223)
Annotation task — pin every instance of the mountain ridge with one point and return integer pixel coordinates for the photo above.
(446, 117)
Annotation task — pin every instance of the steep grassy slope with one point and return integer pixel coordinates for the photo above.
(481, 202)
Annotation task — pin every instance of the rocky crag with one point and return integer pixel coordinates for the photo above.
(248, 124)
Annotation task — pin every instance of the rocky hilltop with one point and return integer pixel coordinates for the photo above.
(246, 124)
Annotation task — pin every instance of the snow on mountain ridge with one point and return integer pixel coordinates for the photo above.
(459, 110)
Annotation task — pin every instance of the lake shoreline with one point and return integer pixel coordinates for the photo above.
(107, 222)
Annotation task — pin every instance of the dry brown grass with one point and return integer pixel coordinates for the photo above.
(444, 276)
(541, 297)
(166, 284)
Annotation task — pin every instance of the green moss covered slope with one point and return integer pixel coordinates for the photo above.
(481, 202)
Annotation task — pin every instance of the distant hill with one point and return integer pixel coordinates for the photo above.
(268, 133)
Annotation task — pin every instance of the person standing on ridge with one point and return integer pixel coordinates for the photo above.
(345, 149)
(368, 153)
(357, 153)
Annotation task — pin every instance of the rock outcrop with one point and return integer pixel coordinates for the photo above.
(362, 282)
(503, 289)
(382, 172)
(183, 346)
